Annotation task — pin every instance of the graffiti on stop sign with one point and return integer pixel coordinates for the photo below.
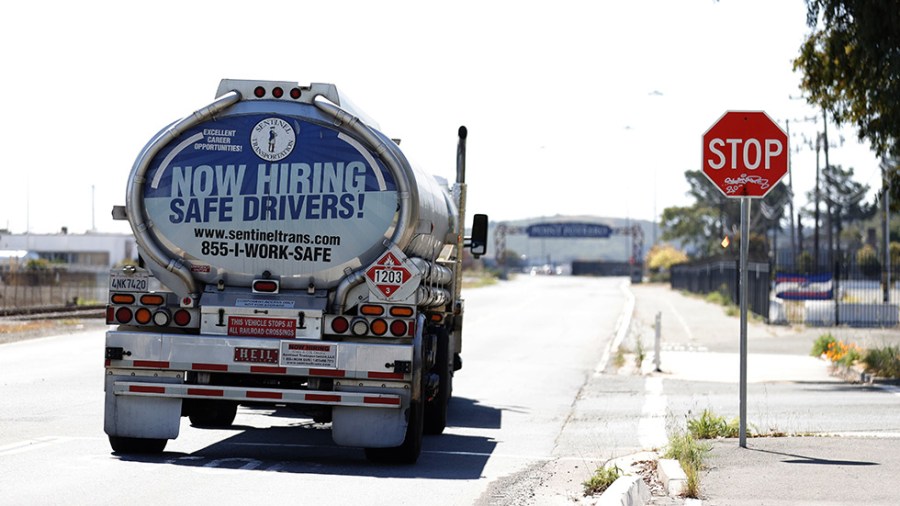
(745, 153)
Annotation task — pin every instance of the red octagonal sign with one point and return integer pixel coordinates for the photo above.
(745, 153)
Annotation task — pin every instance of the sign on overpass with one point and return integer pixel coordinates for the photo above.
(569, 230)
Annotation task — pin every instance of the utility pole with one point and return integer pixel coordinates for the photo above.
(827, 171)
(886, 202)
(818, 196)
(791, 194)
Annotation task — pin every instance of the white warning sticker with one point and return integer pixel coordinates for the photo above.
(306, 354)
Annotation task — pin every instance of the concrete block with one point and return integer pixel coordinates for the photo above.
(672, 476)
(626, 491)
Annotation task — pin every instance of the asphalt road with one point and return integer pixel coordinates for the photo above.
(529, 346)
(540, 403)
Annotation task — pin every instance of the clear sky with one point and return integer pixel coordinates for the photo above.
(572, 107)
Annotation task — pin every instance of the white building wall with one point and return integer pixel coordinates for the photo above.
(119, 246)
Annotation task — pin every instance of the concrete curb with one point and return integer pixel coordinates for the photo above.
(671, 475)
(625, 491)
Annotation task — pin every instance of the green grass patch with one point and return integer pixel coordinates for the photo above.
(690, 453)
(712, 426)
(478, 279)
(601, 480)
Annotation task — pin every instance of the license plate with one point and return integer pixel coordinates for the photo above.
(129, 283)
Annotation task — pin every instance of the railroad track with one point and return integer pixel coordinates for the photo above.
(53, 313)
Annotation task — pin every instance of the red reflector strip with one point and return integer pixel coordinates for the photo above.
(209, 367)
(385, 375)
(107, 362)
(382, 400)
(268, 369)
(151, 363)
(331, 373)
(323, 398)
(147, 390)
(264, 395)
(206, 392)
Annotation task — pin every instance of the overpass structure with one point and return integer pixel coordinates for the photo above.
(573, 230)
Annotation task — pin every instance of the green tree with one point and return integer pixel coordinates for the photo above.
(851, 66)
(713, 216)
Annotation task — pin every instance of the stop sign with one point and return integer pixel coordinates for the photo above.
(745, 153)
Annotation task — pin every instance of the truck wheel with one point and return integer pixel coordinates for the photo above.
(121, 444)
(212, 413)
(408, 452)
(436, 408)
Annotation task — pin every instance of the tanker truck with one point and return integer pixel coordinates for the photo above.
(290, 255)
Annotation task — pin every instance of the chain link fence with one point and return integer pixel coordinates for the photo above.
(24, 290)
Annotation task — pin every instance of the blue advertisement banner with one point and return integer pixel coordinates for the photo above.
(246, 190)
(570, 230)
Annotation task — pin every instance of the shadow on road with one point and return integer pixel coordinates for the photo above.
(305, 447)
(802, 459)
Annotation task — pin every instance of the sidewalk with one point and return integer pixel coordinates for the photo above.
(701, 343)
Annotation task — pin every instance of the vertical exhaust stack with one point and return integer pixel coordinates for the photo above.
(461, 156)
(460, 191)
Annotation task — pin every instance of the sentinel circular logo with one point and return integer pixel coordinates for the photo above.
(273, 139)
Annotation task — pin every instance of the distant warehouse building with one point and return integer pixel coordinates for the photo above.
(89, 252)
(54, 270)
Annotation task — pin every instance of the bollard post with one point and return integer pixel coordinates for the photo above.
(656, 343)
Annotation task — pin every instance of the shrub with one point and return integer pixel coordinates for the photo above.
(821, 345)
(842, 353)
(883, 362)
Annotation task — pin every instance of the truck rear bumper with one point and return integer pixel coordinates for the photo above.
(289, 357)
(244, 394)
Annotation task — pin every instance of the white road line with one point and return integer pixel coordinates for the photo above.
(622, 327)
(684, 325)
(652, 425)
(31, 444)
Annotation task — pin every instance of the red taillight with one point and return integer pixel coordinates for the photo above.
(123, 315)
(110, 315)
(295, 93)
(379, 327)
(340, 325)
(398, 327)
(265, 286)
(182, 317)
(259, 92)
(143, 316)
(277, 92)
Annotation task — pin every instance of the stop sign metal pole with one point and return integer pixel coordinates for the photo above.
(745, 153)
(745, 252)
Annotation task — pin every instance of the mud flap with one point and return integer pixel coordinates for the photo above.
(370, 427)
(141, 417)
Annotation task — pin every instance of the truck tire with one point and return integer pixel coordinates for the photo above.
(121, 444)
(408, 452)
(436, 408)
(212, 413)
